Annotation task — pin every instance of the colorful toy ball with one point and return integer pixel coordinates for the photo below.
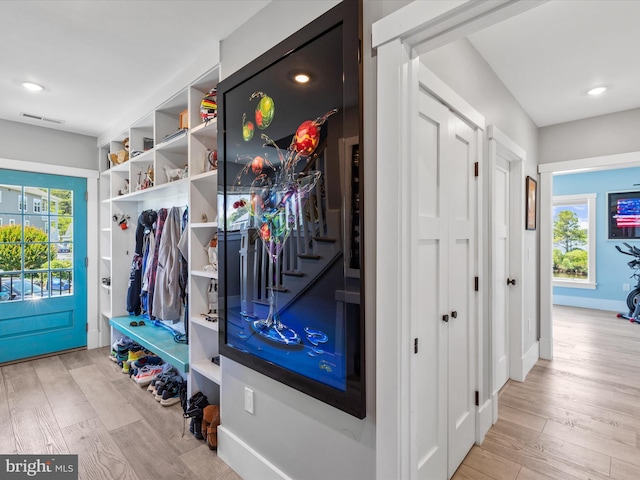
(209, 105)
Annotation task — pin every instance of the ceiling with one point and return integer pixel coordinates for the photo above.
(549, 56)
(97, 59)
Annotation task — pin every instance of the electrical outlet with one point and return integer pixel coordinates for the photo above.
(625, 287)
(248, 400)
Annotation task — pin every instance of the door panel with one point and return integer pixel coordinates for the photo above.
(501, 298)
(429, 295)
(430, 360)
(443, 371)
(42, 264)
(461, 375)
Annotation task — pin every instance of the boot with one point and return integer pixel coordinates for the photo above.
(196, 423)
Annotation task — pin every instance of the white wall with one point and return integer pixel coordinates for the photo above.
(591, 137)
(291, 434)
(473, 79)
(20, 141)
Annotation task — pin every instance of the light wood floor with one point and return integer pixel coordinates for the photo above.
(576, 417)
(81, 403)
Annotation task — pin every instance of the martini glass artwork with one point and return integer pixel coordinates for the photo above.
(278, 195)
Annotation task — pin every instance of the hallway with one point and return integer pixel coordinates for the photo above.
(576, 417)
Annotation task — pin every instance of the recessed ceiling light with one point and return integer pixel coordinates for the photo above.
(34, 87)
(301, 77)
(597, 91)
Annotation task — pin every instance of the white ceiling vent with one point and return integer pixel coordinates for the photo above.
(41, 118)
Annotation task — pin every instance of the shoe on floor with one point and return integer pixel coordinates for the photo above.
(146, 374)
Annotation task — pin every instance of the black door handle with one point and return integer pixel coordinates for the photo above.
(445, 318)
(511, 281)
(454, 314)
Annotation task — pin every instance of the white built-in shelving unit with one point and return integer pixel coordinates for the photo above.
(197, 191)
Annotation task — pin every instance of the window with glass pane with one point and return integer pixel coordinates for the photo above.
(36, 259)
(574, 240)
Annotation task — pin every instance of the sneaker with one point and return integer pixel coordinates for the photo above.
(132, 356)
(146, 359)
(146, 374)
(172, 395)
(160, 381)
(168, 385)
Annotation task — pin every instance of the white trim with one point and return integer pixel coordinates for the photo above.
(594, 303)
(92, 233)
(530, 358)
(429, 25)
(449, 97)
(493, 132)
(590, 200)
(606, 162)
(546, 348)
(484, 418)
(246, 461)
(95, 338)
(566, 283)
(501, 144)
(546, 265)
(391, 436)
(35, 167)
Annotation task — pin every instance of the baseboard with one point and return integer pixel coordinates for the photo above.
(594, 303)
(93, 339)
(546, 348)
(530, 358)
(484, 420)
(494, 410)
(244, 460)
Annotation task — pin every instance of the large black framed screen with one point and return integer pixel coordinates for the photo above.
(624, 215)
(291, 219)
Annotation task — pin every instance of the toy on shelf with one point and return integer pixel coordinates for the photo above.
(125, 189)
(212, 161)
(209, 105)
(176, 173)
(122, 220)
(146, 181)
(120, 156)
(212, 253)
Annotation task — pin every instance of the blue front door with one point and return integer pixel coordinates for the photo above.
(43, 275)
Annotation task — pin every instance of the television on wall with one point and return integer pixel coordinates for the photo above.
(290, 244)
(624, 215)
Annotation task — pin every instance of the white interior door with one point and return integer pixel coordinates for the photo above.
(429, 298)
(501, 212)
(461, 208)
(442, 296)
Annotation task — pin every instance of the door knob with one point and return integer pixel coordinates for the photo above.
(445, 318)
(511, 281)
(454, 314)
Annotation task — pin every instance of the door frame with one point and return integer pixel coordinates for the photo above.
(97, 335)
(399, 39)
(546, 171)
(501, 145)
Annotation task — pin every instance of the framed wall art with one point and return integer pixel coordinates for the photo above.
(291, 302)
(624, 215)
(531, 203)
